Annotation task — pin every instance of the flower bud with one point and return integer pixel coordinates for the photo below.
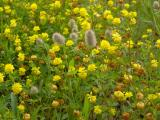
(149, 116)
(54, 87)
(76, 113)
(125, 116)
(26, 116)
(139, 96)
(55, 103)
(140, 105)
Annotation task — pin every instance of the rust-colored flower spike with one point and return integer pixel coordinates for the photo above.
(58, 38)
(156, 5)
(74, 36)
(90, 38)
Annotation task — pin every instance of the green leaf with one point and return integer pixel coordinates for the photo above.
(71, 63)
(86, 108)
(14, 104)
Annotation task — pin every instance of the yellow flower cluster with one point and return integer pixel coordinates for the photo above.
(9, 68)
(82, 73)
(1, 77)
(16, 88)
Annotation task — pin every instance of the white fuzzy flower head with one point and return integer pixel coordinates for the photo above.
(58, 38)
(74, 36)
(90, 38)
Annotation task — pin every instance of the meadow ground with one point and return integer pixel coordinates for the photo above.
(79, 60)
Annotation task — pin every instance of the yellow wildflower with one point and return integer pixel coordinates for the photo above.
(97, 109)
(116, 21)
(9, 68)
(56, 78)
(152, 97)
(1, 77)
(7, 9)
(16, 88)
(69, 43)
(83, 12)
(13, 23)
(33, 6)
(86, 25)
(55, 48)
(22, 71)
(95, 51)
(104, 44)
(57, 61)
(92, 67)
(21, 57)
(82, 72)
(57, 4)
(36, 71)
(36, 28)
(119, 96)
(91, 98)
(154, 63)
(158, 43)
(110, 3)
(21, 107)
(116, 37)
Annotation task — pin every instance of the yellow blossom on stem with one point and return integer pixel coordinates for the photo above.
(9, 68)
(92, 67)
(22, 71)
(116, 21)
(36, 71)
(33, 6)
(57, 61)
(69, 43)
(91, 98)
(21, 57)
(56, 78)
(104, 44)
(16, 88)
(97, 109)
(21, 107)
(1, 77)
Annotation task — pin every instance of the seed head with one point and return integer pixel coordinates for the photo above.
(39, 41)
(58, 38)
(90, 38)
(156, 5)
(74, 36)
(71, 23)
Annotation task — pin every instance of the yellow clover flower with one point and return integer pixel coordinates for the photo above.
(57, 61)
(1, 77)
(9, 68)
(16, 88)
(92, 67)
(97, 109)
(69, 43)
